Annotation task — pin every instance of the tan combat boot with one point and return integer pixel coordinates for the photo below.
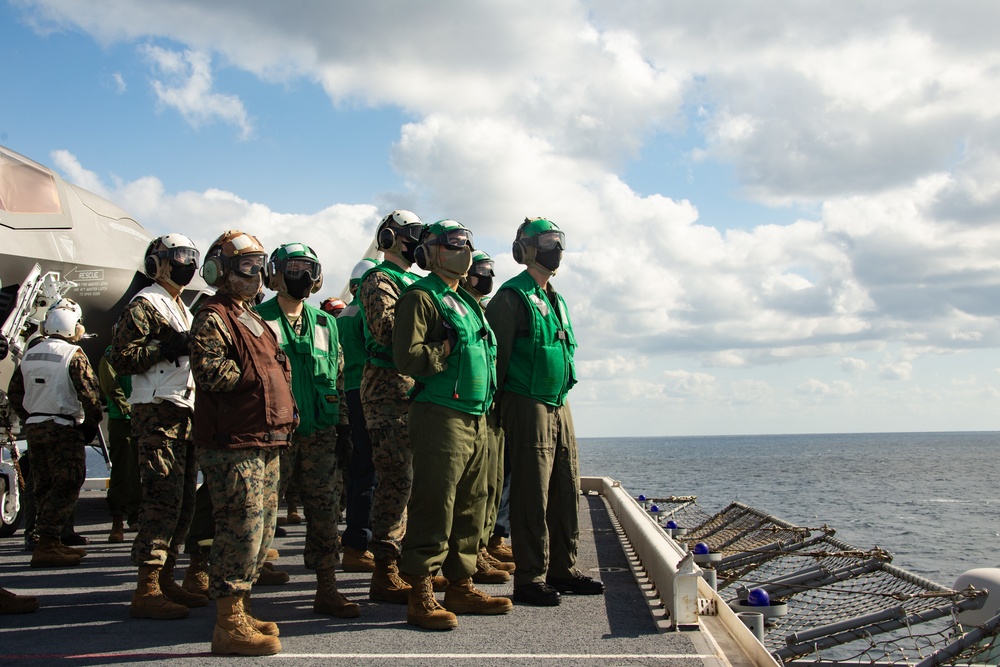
(464, 598)
(148, 601)
(196, 574)
(16, 604)
(500, 550)
(439, 583)
(293, 517)
(174, 592)
(331, 601)
(486, 573)
(263, 627)
(356, 560)
(66, 549)
(48, 553)
(270, 577)
(497, 564)
(117, 533)
(424, 610)
(386, 584)
(233, 634)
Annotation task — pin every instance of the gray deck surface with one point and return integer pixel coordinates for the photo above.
(84, 617)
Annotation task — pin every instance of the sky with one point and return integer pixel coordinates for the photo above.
(780, 217)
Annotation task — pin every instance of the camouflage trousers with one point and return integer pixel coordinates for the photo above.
(58, 470)
(243, 484)
(494, 474)
(168, 472)
(448, 503)
(312, 461)
(393, 460)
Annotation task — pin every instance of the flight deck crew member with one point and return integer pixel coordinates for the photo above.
(489, 570)
(245, 413)
(360, 474)
(442, 340)
(384, 397)
(57, 398)
(310, 340)
(151, 344)
(535, 371)
(124, 489)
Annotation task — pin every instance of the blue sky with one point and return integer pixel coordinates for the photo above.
(780, 221)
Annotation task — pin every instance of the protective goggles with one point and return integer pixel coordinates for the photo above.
(296, 267)
(180, 256)
(410, 232)
(248, 265)
(547, 241)
(482, 268)
(453, 239)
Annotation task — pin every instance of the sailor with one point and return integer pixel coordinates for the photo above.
(384, 395)
(489, 570)
(124, 488)
(57, 398)
(151, 344)
(310, 340)
(245, 414)
(360, 473)
(535, 370)
(442, 340)
(333, 305)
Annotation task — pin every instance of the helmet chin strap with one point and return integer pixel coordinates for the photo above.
(530, 262)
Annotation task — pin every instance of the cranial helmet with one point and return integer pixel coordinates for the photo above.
(398, 233)
(538, 235)
(171, 258)
(482, 271)
(447, 235)
(233, 252)
(294, 270)
(360, 269)
(333, 305)
(62, 319)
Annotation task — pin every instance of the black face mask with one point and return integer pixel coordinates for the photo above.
(183, 274)
(407, 252)
(300, 288)
(484, 284)
(549, 259)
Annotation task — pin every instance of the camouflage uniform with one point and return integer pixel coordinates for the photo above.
(163, 434)
(245, 479)
(58, 452)
(124, 489)
(384, 397)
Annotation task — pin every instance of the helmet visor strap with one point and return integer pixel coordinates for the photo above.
(248, 265)
(547, 241)
(183, 256)
(296, 267)
(454, 239)
(482, 268)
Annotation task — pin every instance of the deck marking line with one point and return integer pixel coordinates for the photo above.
(523, 656)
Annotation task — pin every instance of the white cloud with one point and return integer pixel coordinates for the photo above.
(853, 365)
(188, 89)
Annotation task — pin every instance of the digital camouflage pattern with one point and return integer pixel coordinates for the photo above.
(247, 479)
(320, 488)
(133, 347)
(384, 397)
(213, 370)
(168, 472)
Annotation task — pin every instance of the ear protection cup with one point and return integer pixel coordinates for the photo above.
(420, 255)
(386, 237)
(517, 250)
(269, 272)
(212, 271)
(318, 285)
(151, 267)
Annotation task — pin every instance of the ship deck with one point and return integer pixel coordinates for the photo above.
(83, 619)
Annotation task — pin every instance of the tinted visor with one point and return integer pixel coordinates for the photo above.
(483, 268)
(453, 239)
(248, 265)
(182, 256)
(547, 241)
(411, 232)
(296, 267)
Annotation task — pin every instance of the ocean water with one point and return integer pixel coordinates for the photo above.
(931, 499)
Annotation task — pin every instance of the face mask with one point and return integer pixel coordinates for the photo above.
(406, 250)
(455, 263)
(183, 274)
(484, 284)
(549, 259)
(300, 288)
(244, 288)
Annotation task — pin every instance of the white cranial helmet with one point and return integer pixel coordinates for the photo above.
(62, 318)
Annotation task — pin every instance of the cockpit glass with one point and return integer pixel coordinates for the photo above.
(25, 188)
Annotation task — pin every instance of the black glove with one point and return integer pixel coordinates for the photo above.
(176, 347)
(344, 447)
(452, 336)
(88, 430)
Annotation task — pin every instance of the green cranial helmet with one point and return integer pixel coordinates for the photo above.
(447, 235)
(481, 273)
(539, 243)
(294, 270)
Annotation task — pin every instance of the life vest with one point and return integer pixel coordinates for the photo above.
(49, 394)
(381, 355)
(314, 357)
(541, 364)
(351, 327)
(165, 380)
(469, 379)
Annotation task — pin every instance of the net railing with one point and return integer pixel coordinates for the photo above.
(831, 602)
